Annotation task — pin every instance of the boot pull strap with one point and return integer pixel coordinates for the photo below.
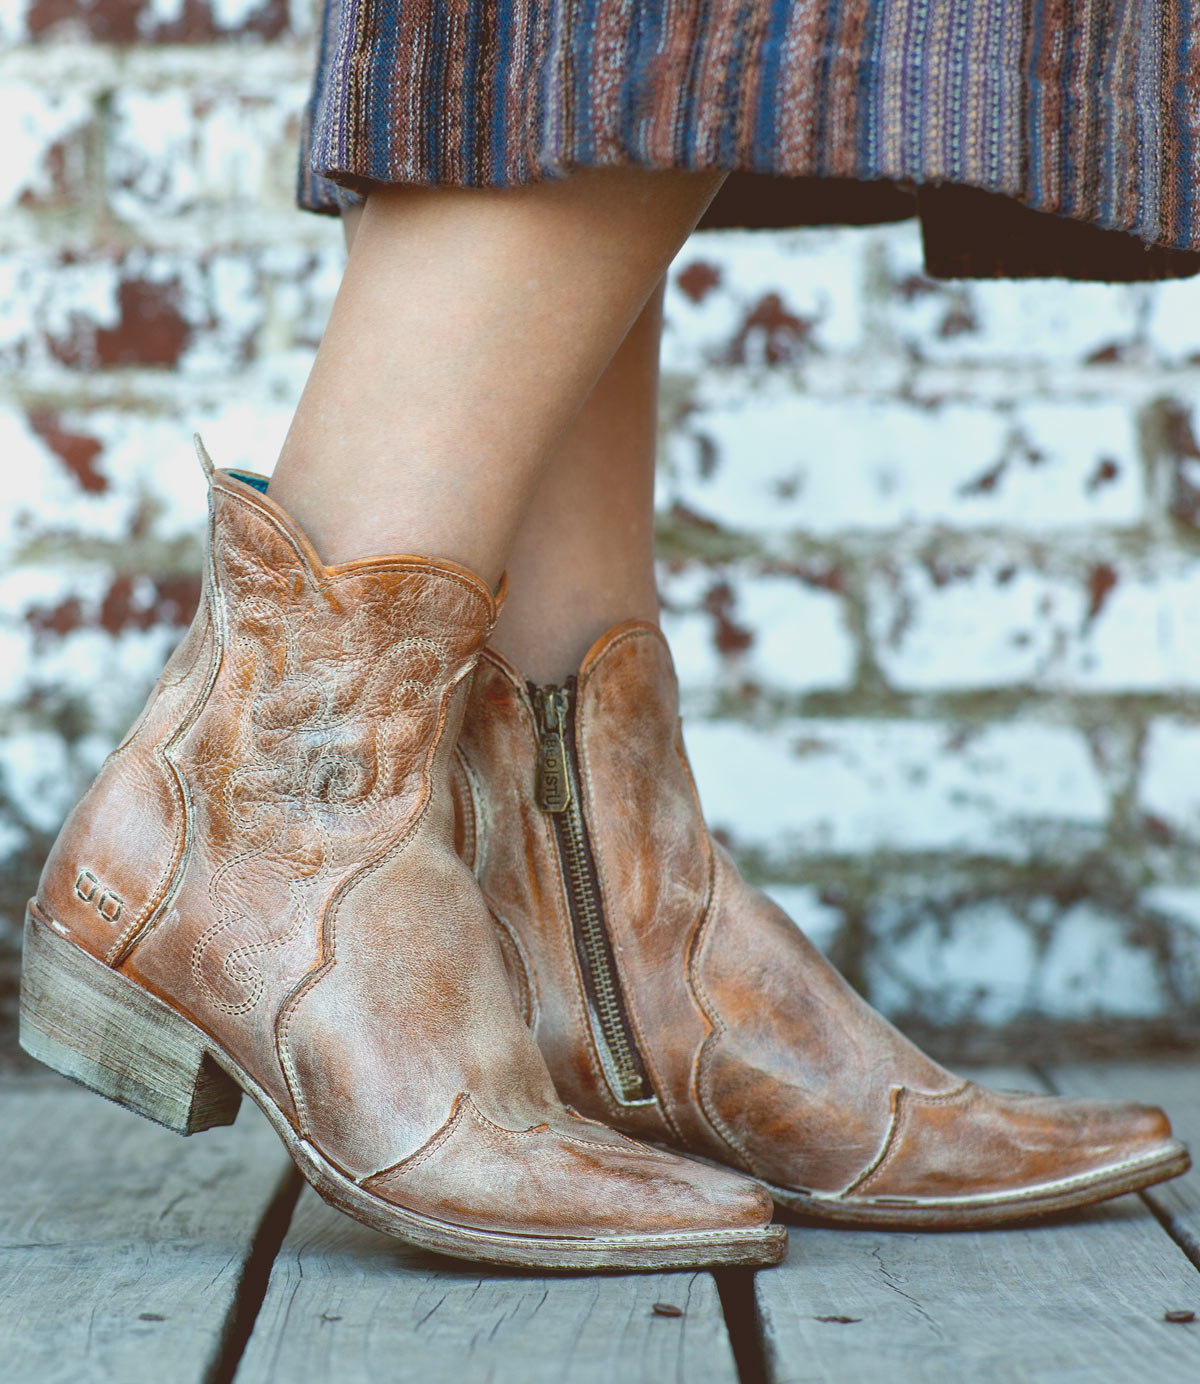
(205, 460)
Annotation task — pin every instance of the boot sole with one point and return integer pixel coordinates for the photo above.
(88, 1022)
(990, 1209)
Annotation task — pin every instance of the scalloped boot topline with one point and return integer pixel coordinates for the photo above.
(678, 1003)
(260, 894)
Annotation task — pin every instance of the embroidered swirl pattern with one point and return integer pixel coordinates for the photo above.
(329, 716)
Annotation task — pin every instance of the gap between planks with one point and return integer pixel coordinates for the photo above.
(131, 1254)
(124, 1248)
(348, 1303)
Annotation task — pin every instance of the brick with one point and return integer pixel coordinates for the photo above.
(821, 922)
(82, 647)
(1096, 967)
(48, 136)
(978, 967)
(745, 627)
(121, 484)
(1179, 902)
(196, 312)
(1169, 789)
(153, 21)
(40, 779)
(781, 462)
(182, 150)
(1169, 426)
(743, 298)
(1109, 625)
(1173, 321)
(846, 787)
(1002, 321)
(988, 962)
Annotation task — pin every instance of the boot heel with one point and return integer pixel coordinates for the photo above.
(87, 1021)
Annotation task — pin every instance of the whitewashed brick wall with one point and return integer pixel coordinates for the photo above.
(931, 553)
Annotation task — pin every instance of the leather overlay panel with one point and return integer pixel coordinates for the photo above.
(804, 1069)
(619, 1182)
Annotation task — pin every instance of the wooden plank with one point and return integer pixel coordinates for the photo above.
(122, 1246)
(347, 1303)
(1177, 1089)
(1077, 1301)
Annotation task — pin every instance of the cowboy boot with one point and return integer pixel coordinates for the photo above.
(260, 894)
(677, 1002)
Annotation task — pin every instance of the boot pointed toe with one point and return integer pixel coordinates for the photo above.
(534, 1181)
(980, 1157)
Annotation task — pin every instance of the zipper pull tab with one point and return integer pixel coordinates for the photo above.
(553, 775)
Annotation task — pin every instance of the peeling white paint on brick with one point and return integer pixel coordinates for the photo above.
(845, 787)
(1180, 901)
(892, 510)
(34, 122)
(1170, 781)
(777, 461)
(981, 968)
(983, 964)
(1173, 325)
(157, 14)
(727, 288)
(232, 14)
(997, 624)
(108, 675)
(1091, 970)
(780, 633)
(178, 150)
(998, 320)
(41, 777)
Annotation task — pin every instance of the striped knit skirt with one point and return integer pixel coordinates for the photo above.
(1032, 136)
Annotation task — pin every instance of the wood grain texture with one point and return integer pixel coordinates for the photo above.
(89, 1022)
(1078, 1299)
(1177, 1089)
(348, 1303)
(122, 1246)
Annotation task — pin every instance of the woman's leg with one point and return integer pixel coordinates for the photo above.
(583, 555)
(469, 329)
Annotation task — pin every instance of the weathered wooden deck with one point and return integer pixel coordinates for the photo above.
(128, 1254)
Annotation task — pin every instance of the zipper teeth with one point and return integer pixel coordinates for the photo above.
(604, 983)
(570, 833)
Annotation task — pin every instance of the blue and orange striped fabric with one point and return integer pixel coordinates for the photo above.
(1086, 108)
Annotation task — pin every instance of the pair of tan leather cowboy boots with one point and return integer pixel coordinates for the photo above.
(349, 863)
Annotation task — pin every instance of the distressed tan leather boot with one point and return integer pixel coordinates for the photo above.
(260, 894)
(677, 1002)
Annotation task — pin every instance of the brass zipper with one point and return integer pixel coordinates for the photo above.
(558, 795)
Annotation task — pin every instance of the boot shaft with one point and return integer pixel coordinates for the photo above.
(600, 1006)
(301, 712)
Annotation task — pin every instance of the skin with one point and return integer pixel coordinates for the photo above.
(582, 557)
(479, 326)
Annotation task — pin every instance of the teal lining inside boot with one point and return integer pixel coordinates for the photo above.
(258, 483)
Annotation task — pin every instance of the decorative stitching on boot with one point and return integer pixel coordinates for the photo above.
(328, 947)
(903, 1097)
(708, 1048)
